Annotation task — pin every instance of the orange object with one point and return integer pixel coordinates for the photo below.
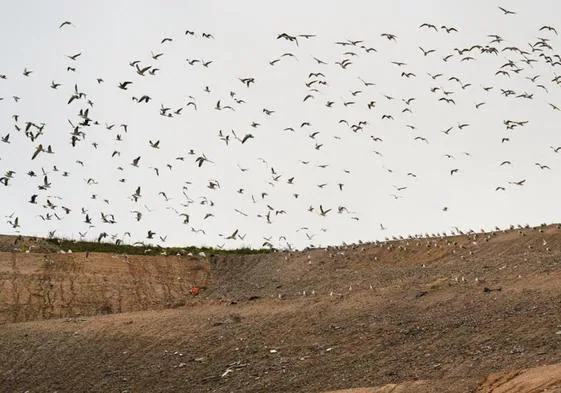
(195, 290)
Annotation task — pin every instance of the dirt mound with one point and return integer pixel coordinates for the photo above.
(534, 380)
(441, 313)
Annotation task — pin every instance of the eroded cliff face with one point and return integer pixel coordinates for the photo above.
(54, 285)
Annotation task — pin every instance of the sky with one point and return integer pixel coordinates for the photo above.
(351, 136)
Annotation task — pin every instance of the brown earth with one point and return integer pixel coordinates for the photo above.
(459, 314)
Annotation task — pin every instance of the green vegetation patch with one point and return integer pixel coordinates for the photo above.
(146, 249)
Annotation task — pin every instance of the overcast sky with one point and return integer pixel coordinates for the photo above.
(383, 169)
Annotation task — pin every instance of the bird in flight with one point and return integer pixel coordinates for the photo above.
(429, 26)
(549, 28)
(506, 12)
(427, 52)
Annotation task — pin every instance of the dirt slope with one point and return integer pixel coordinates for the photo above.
(435, 315)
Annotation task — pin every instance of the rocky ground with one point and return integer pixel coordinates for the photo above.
(466, 313)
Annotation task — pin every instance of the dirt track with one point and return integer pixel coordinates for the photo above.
(442, 314)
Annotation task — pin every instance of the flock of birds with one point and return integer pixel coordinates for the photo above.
(58, 175)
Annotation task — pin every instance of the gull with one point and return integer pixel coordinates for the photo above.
(14, 223)
(123, 85)
(449, 29)
(201, 159)
(288, 37)
(144, 98)
(240, 212)
(156, 56)
(367, 84)
(74, 57)
(233, 235)
(344, 64)
(246, 137)
(549, 28)
(518, 183)
(427, 52)
(141, 71)
(322, 211)
(138, 215)
(507, 12)
(38, 150)
(247, 81)
(428, 25)
(389, 36)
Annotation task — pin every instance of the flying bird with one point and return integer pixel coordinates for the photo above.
(506, 12)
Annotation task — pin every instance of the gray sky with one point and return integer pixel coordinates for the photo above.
(404, 187)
